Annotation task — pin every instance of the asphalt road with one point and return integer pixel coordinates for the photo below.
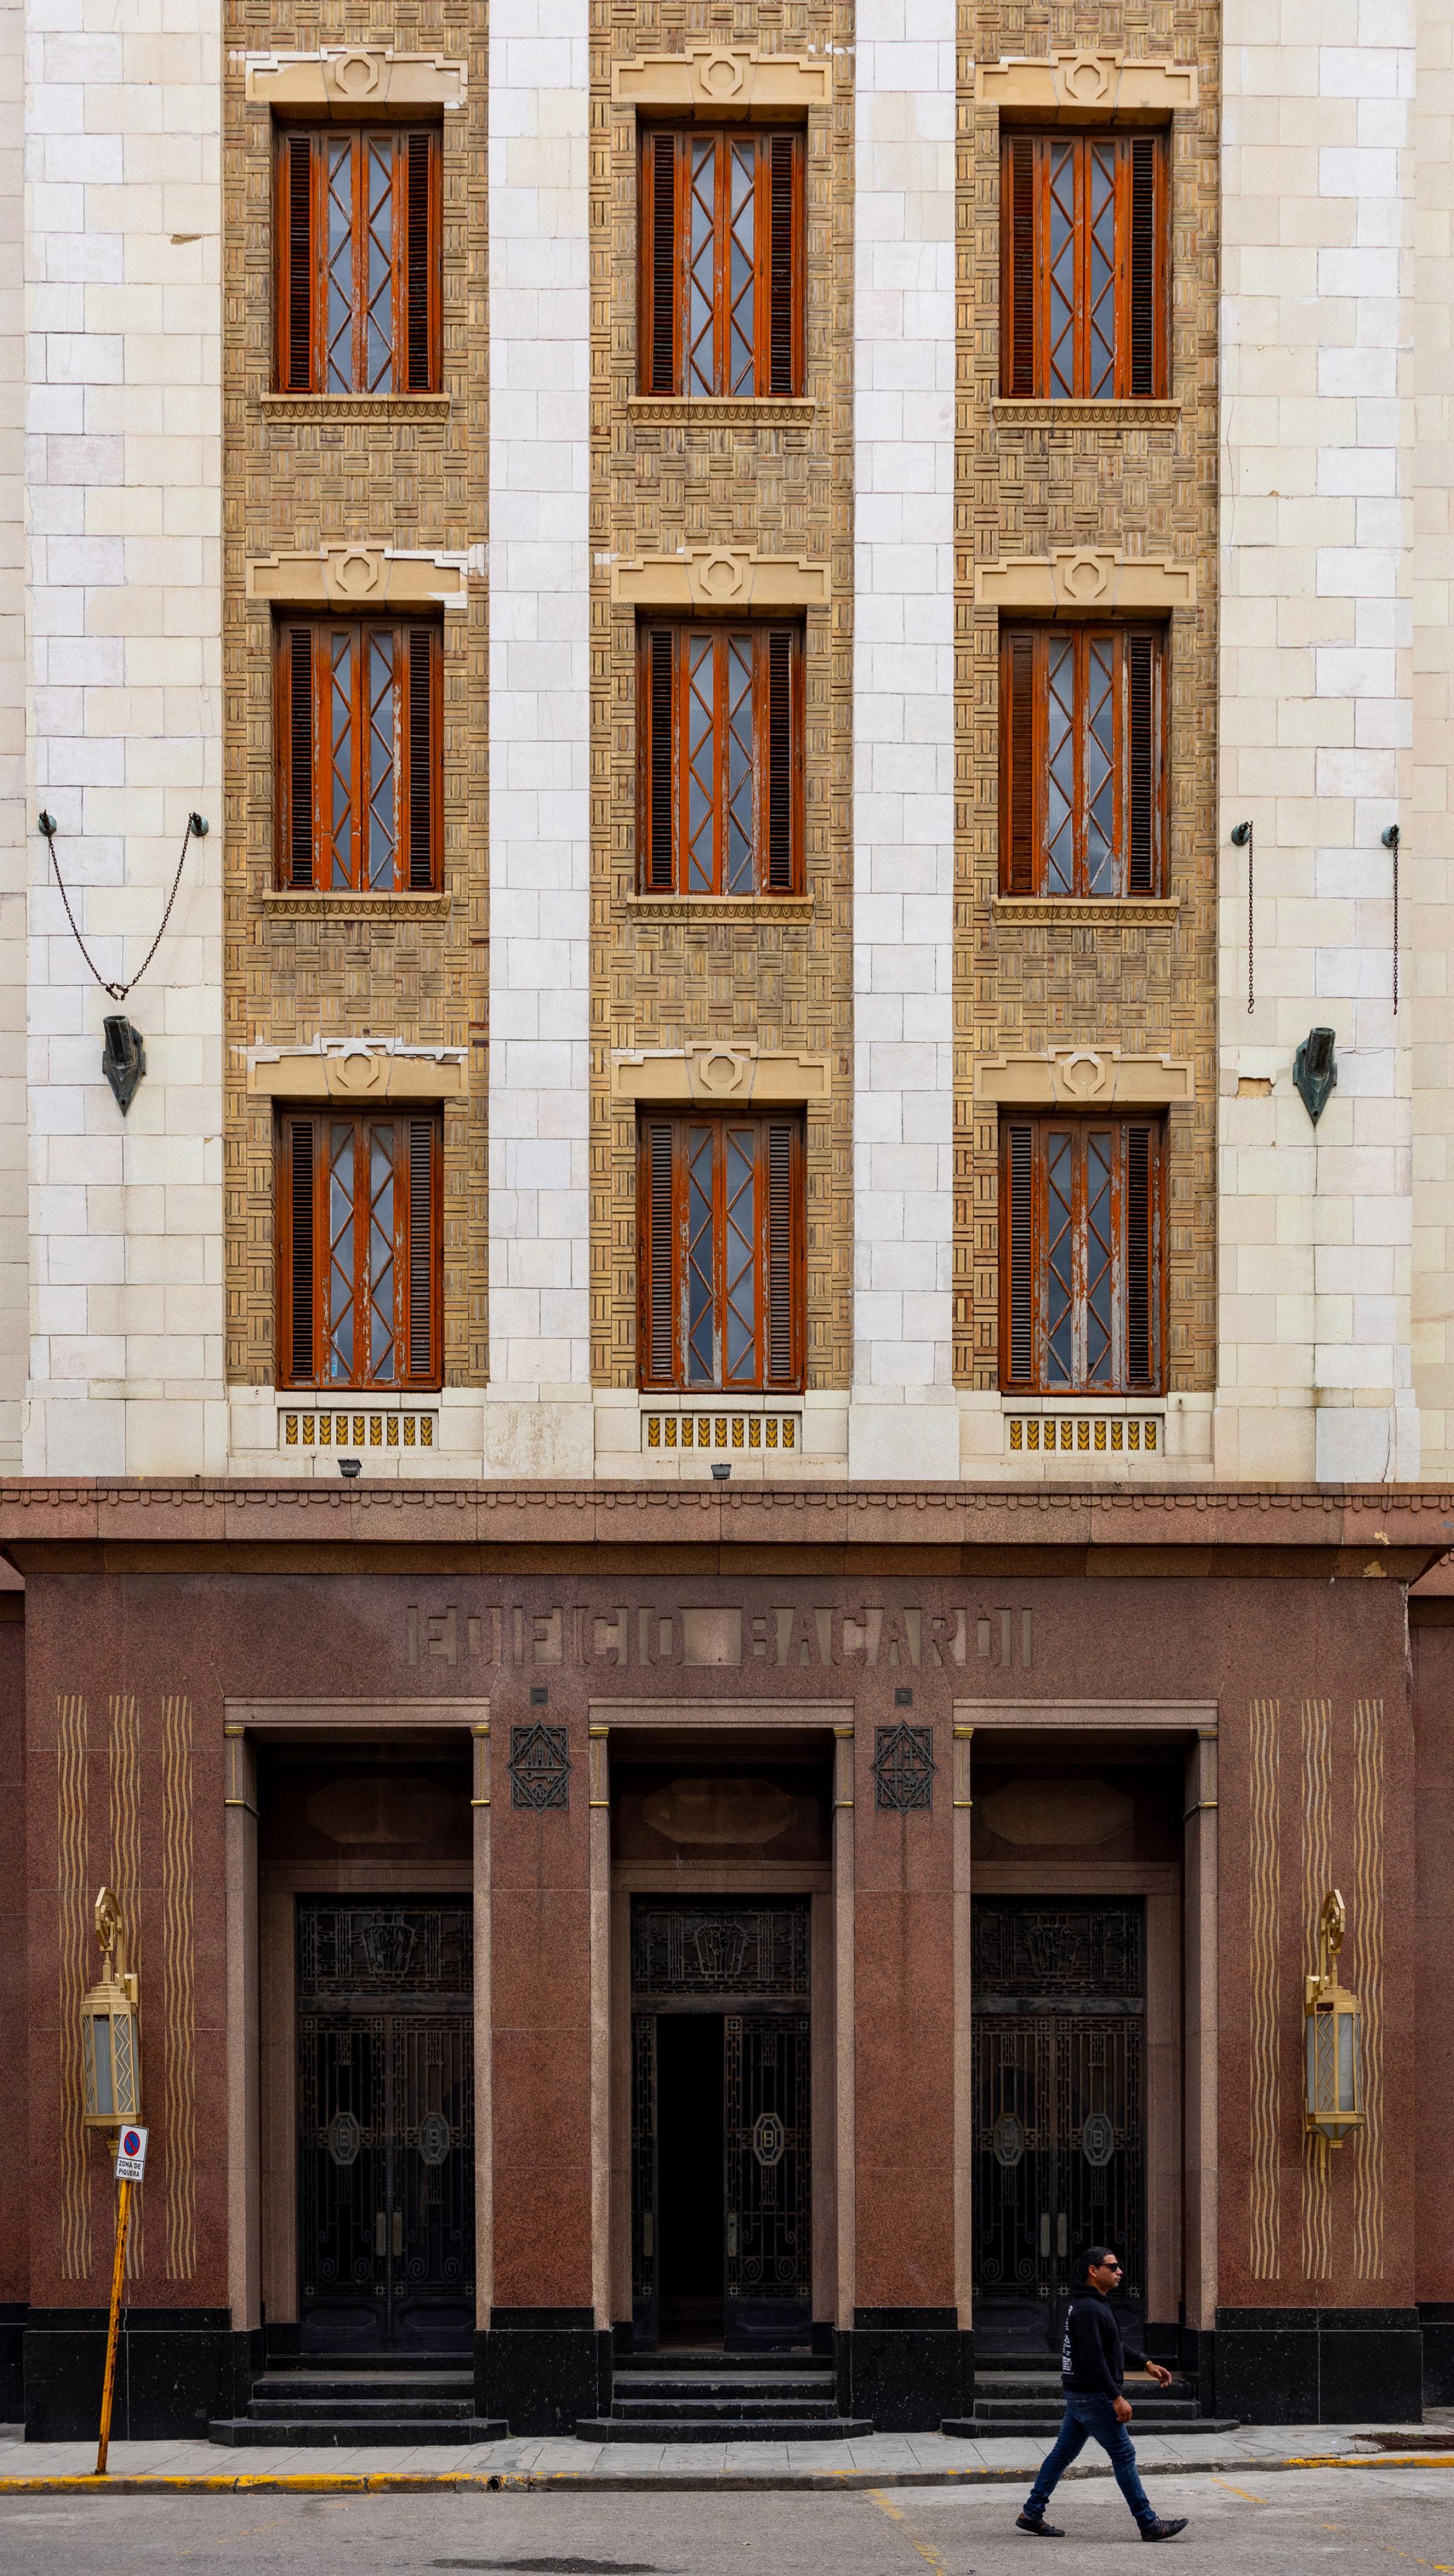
(1350, 2520)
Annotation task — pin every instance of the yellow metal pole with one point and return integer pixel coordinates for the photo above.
(118, 2275)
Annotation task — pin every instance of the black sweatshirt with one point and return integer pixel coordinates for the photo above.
(1093, 2359)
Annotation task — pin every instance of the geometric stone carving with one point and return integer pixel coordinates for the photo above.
(903, 1768)
(370, 1070)
(1081, 579)
(359, 576)
(731, 1074)
(351, 76)
(1080, 1077)
(1089, 78)
(539, 1768)
(724, 80)
(719, 577)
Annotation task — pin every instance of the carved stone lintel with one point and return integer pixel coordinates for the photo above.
(354, 79)
(1088, 81)
(724, 80)
(1081, 580)
(720, 577)
(728, 1074)
(1083, 1077)
(360, 574)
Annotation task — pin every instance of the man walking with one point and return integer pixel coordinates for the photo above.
(1092, 2368)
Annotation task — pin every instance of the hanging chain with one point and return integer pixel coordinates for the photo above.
(196, 830)
(1251, 845)
(1395, 924)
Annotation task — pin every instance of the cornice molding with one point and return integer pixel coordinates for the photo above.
(1017, 411)
(722, 411)
(1079, 912)
(379, 408)
(323, 905)
(720, 908)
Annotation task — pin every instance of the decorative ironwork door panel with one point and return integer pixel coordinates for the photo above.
(768, 2154)
(385, 2124)
(1059, 2120)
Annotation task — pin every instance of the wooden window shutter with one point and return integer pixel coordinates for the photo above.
(1020, 1300)
(1018, 728)
(418, 263)
(297, 266)
(423, 784)
(1140, 764)
(1021, 373)
(421, 1134)
(299, 1284)
(659, 821)
(300, 755)
(660, 1354)
(1144, 152)
(662, 162)
(782, 373)
(780, 761)
(782, 1361)
(1140, 1231)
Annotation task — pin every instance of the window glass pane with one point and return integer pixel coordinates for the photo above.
(340, 743)
(1060, 1246)
(1060, 746)
(701, 1337)
(741, 376)
(741, 1244)
(340, 1255)
(739, 765)
(381, 1253)
(1061, 277)
(382, 740)
(701, 765)
(379, 333)
(1100, 780)
(1099, 1261)
(1101, 192)
(702, 270)
(340, 267)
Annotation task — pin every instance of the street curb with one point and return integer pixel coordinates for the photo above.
(670, 2481)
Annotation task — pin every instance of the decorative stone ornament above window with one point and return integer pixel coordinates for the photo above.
(727, 1076)
(1074, 580)
(348, 78)
(719, 577)
(364, 1068)
(1080, 1077)
(1084, 83)
(724, 80)
(360, 576)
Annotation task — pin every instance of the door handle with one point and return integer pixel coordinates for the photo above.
(1062, 2245)
(399, 2231)
(732, 2231)
(647, 2235)
(1045, 2231)
(381, 2238)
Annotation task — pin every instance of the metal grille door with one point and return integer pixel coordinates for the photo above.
(769, 2227)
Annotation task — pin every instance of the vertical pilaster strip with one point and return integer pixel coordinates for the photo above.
(600, 1910)
(1200, 1950)
(843, 1910)
(14, 795)
(73, 1901)
(1317, 1879)
(124, 1878)
(244, 2038)
(538, 1417)
(1264, 1908)
(1367, 1981)
(903, 1418)
(178, 1997)
(963, 2032)
(484, 2033)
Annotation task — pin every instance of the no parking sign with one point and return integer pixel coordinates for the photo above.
(131, 2155)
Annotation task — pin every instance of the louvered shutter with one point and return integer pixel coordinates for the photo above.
(1019, 374)
(1143, 266)
(1140, 763)
(1017, 1219)
(661, 155)
(423, 759)
(780, 1301)
(297, 1254)
(1017, 723)
(659, 1354)
(660, 710)
(782, 373)
(418, 263)
(296, 299)
(420, 1138)
(781, 761)
(1140, 1255)
(298, 704)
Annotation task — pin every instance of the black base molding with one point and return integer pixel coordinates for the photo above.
(176, 2368)
(543, 2369)
(14, 2315)
(1436, 2321)
(905, 2369)
(1315, 2365)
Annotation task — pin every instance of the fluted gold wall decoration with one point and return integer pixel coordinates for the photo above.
(1367, 1932)
(1317, 1878)
(1264, 1903)
(125, 1882)
(178, 1991)
(73, 1922)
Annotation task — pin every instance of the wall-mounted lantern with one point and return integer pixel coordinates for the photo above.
(111, 2028)
(1334, 2018)
(1315, 1071)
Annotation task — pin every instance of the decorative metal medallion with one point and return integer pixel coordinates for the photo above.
(769, 2138)
(1098, 2138)
(751, 1948)
(539, 1768)
(1007, 2140)
(389, 1942)
(434, 2139)
(904, 1768)
(345, 2137)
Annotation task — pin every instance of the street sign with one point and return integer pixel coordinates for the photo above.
(131, 2155)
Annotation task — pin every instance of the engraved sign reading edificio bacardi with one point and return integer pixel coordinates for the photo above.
(632, 1637)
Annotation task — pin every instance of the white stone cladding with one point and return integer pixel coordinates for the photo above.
(14, 1265)
(903, 1415)
(1315, 1370)
(122, 275)
(538, 1415)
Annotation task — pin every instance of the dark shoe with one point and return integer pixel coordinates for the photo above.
(1159, 2530)
(1043, 2530)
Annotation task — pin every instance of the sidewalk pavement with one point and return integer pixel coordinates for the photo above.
(882, 2460)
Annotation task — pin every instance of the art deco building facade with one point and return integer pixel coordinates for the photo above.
(724, 1496)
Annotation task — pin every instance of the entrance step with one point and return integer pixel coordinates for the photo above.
(725, 2428)
(720, 2397)
(352, 2401)
(1022, 2405)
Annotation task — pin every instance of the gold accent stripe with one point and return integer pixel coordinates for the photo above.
(177, 1989)
(73, 1873)
(125, 1785)
(1317, 1879)
(1264, 1909)
(1368, 2259)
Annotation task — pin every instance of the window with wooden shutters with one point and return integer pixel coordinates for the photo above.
(1082, 760)
(1080, 1254)
(1083, 259)
(359, 1231)
(358, 261)
(721, 296)
(358, 739)
(720, 723)
(720, 1253)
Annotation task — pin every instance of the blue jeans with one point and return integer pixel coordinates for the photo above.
(1087, 2419)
